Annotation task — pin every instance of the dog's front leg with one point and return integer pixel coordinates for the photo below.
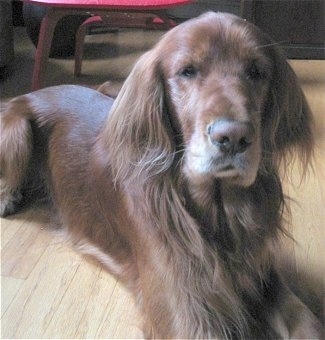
(293, 319)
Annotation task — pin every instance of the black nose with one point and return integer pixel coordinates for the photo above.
(231, 136)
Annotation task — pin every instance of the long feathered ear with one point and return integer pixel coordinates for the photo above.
(288, 121)
(136, 134)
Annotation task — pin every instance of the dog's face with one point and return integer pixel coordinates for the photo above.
(219, 89)
(217, 78)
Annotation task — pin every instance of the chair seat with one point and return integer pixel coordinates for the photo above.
(112, 4)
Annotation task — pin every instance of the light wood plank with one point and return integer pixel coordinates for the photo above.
(35, 305)
(82, 301)
(122, 320)
(9, 289)
(9, 226)
(103, 291)
(23, 250)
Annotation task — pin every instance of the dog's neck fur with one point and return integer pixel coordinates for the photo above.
(224, 211)
(217, 227)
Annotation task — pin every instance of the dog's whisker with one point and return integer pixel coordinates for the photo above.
(279, 43)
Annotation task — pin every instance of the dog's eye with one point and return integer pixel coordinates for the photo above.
(188, 72)
(253, 72)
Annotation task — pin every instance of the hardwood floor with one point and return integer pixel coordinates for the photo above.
(49, 291)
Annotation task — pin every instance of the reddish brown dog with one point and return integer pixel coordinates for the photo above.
(175, 185)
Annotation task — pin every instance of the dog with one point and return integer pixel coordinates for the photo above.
(174, 186)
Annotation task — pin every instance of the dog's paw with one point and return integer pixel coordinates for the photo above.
(9, 202)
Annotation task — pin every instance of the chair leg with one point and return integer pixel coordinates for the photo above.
(44, 45)
(80, 42)
(79, 49)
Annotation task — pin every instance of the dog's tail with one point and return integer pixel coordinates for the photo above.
(15, 151)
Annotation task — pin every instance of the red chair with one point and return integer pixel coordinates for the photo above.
(115, 13)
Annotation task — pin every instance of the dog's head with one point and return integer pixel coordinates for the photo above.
(217, 91)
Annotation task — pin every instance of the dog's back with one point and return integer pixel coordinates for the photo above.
(70, 115)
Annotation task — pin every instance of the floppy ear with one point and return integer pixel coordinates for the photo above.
(136, 133)
(287, 118)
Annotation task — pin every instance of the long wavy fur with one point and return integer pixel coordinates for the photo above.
(145, 158)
